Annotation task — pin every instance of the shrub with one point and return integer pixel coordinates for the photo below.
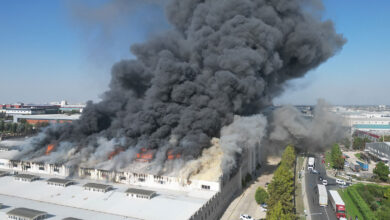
(360, 203)
(261, 195)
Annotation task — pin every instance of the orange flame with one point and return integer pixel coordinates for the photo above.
(49, 148)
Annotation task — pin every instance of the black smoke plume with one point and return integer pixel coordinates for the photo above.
(221, 58)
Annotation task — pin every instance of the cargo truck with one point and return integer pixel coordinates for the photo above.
(337, 204)
(310, 163)
(322, 195)
(363, 166)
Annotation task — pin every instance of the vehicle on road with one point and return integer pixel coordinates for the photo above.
(310, 163)
(341, 182)
(320, 178)
(337, 204)
(246, 217)
(315, 171)
(324, 182)
(322, 195)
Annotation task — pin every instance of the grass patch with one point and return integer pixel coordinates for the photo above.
(352, 209)
(358, 156)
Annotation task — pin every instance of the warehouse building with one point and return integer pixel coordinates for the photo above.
(60, 182)
(140, 193)
(379, 150)
(96, 187)
(26, 177)
(50, 118)
(26, 214)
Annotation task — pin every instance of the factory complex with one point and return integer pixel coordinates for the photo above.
(373, 119)
(119, 194)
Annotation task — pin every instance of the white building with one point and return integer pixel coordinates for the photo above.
(380, 150)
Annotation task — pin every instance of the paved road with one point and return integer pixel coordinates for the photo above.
(318, 212)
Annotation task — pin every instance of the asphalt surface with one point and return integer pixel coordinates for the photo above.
(318, 212)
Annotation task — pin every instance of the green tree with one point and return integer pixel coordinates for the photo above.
(382, 171)
(14, 127)
(277, 213)
(281, 189)
(360, 143)
(346, 142)
(337, 157)
(288, 157)
(21, 128)
(2, 126)
(261, 195)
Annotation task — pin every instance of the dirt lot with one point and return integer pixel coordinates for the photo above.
(245, 203)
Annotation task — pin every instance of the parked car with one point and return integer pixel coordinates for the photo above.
(263, 207)
(246, 217)
(324, 182)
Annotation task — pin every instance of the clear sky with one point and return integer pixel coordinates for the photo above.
(47, 53)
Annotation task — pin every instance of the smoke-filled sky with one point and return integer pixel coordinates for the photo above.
(49, 52)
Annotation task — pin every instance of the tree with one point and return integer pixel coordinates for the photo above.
(14, 127)
(2, 126)
(360, 143)
(288, 157)
(277, 213)
(346, 142)
(382, 171)
(261, 195)
(337, 157)
(281, 189)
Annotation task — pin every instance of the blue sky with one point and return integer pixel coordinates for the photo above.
(46, 54)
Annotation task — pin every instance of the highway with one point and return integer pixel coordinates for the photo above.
(317, 212)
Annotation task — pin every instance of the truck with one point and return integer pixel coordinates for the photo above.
(363, 166)
(310, 163)
(322, 195)
(337, 204)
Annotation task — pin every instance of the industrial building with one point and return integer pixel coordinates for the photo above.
(34, 167)
(65, 107)
(26, 214)
(364, 134)
(379, 150)
(197, 198)
(50, 118)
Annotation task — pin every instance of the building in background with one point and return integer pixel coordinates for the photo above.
(379, 150)
(65, 107)
(51, 118)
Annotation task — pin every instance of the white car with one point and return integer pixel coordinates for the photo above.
(246, 217)
(341, 182)
(325, 182)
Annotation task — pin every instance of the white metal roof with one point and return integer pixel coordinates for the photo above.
(336, 197)
(74, 201)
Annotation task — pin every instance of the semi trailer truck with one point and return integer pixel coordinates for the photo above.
(337, 204)
(322, 195)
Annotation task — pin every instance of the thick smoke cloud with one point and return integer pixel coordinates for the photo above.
(311, 134)
(222, 58)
